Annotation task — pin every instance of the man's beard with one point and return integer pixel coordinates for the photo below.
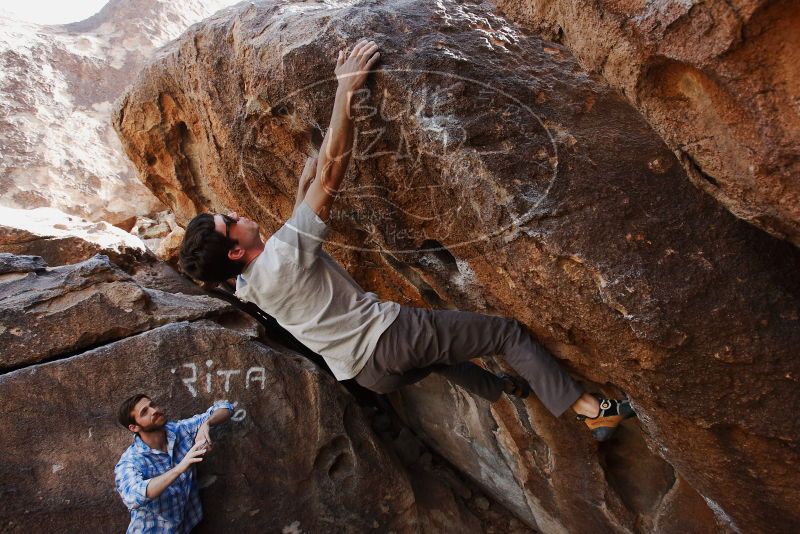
(153, 427)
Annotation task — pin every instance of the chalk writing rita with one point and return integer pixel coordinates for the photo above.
(211, 379)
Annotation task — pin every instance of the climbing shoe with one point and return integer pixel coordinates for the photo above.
(516, 386)
(612, 413)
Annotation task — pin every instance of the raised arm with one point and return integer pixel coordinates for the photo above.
(337, 145)
(157, 485)
(306, 178)
(220, 412)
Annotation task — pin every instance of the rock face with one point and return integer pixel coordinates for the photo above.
(719, 81)
(61, 239)
(300, 454)
(52, 312)
(57, 85)
(492, 173)
(13, 265)
(297, 452)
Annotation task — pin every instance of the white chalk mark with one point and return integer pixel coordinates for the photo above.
(190, 381)
(261, 378)
(227, 373)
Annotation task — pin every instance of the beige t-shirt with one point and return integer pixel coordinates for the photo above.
(313, 297)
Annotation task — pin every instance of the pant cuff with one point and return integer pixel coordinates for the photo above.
(567, 400)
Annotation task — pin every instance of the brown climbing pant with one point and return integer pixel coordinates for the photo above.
(421, 341)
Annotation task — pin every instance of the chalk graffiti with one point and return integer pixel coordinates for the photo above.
(238, 413)
(254, 376)
(220, 379)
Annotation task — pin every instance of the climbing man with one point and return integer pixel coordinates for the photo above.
(381, 344)
(155, 476)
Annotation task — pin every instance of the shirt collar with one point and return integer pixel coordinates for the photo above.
(142, 447)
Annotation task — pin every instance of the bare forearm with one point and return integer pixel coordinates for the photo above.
(219, 416)
(157, 485)
(337, 144)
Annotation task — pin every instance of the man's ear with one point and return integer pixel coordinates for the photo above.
(236, 253)
(134, 428)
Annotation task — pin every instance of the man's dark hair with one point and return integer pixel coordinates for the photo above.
(204, 252)
(125, 414)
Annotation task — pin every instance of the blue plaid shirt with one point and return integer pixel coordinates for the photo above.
(177, 509)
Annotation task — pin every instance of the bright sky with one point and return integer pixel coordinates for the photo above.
(51, 11)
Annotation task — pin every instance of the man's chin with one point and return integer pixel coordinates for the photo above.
(155, 426)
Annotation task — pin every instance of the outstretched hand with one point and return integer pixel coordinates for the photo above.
(194, 456)
(204, 435)
(352, 72)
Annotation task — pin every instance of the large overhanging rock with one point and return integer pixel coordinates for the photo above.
(717, 80)
(298, 456)
(65, 310)
(492, 173)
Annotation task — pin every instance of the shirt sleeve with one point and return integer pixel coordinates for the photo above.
(302, 235)
(190, 426)
(130, 484)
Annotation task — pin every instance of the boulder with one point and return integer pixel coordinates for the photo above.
(297, 456)
(160, 275)
(545, 471)
(65, 310)
(285, 466)
(160, 234)
(11, 264)
(491, 172)
(717, 80)
(169, 247)
(62, 239)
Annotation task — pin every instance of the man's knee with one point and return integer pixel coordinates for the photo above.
(514, 327)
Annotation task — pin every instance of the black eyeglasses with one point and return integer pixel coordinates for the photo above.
(228, 222)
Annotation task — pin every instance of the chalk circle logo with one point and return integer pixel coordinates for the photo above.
(443, 139)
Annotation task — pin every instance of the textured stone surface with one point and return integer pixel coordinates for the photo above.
(61, 239)
(57, 86)
(284, 465)
(65, 310)
(298, 454)
(492, 173)
(159, 234)
(170, 246)
(11, 263)
(159, 275)
(718, 80)
(510, 441)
